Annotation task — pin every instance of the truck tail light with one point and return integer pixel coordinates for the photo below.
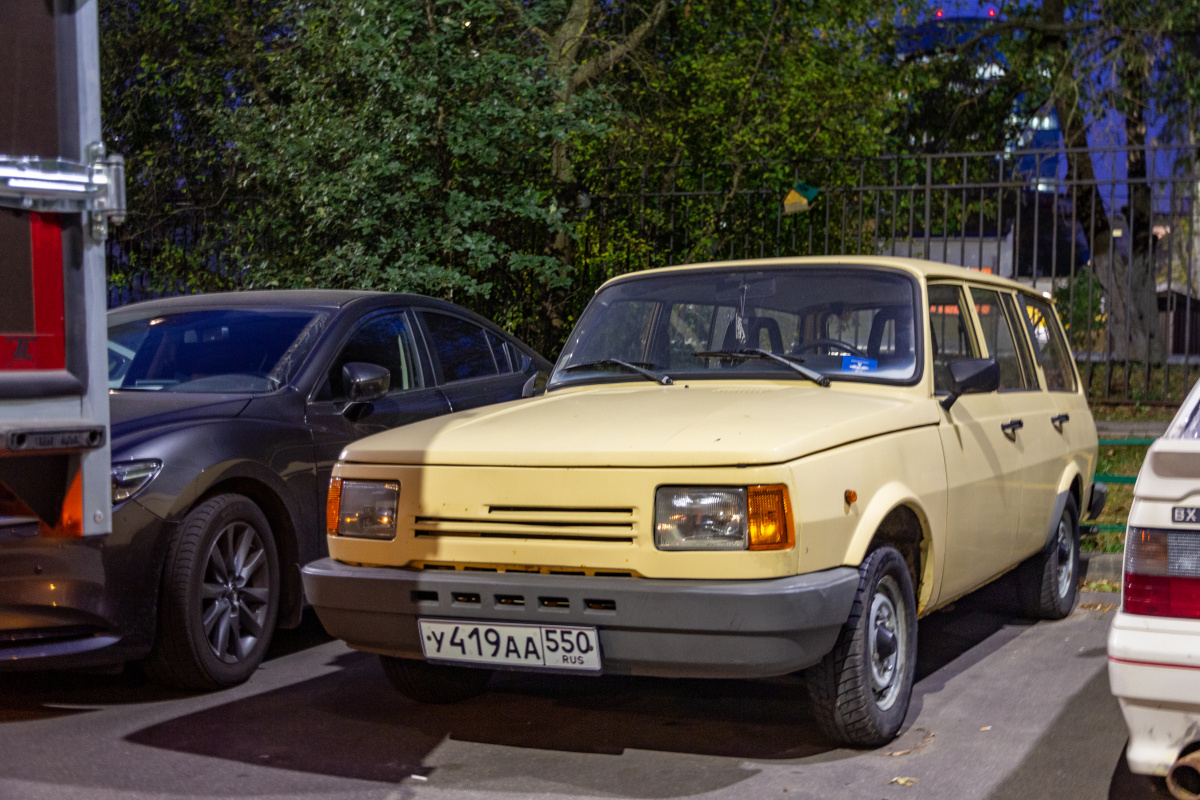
(770, 518)
(333, 506)
(1162, 573)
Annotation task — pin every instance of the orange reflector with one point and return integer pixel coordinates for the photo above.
(770, 518)
(333, 507)
(70, 522)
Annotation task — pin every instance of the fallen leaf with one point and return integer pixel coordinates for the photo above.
(986, 728)
(1103, 607)
(904, 781)
(900, 753)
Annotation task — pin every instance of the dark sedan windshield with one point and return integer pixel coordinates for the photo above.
(838, 322)
(222, 350)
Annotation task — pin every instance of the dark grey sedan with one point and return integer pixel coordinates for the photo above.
(228, 412)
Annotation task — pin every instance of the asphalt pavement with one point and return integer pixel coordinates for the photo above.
(1003, 708)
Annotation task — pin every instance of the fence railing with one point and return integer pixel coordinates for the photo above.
(1113, 234)
(1116, 245)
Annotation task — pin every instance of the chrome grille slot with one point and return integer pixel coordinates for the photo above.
(610, 525)
(524, 568)
(424, 597)
(468, 598)
(554, 602)
(601, 605)
(510, 600)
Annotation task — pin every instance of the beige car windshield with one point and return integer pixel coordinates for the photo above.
(844, 323)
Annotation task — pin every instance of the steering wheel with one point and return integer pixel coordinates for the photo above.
(813, 344)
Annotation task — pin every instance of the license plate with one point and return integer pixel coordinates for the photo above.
(558, 647)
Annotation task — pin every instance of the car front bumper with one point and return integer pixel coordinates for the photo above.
(1154, 672)
(667, 628)
(68, 603)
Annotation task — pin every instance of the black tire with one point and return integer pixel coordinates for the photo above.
(1045, 590)
(850, 702)
(197, 588)
(437, 684)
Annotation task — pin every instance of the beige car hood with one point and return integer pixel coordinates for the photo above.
(636, 425)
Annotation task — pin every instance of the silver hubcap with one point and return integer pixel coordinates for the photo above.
(235, 593)
(887, 642)
(1066, 558)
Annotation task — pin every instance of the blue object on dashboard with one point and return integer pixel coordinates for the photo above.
(859, 365)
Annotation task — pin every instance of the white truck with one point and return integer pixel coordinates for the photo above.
(59, 191)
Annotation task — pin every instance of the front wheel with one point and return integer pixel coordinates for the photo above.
(1047, 581)
(220, 597)
(861, 689)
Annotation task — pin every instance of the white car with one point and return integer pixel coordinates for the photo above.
(1154, 643)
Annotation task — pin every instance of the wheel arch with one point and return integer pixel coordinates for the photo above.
(895, 516)
(271, 500)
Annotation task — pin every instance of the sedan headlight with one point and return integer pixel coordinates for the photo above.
(130, 477)
(362, 509)
(723, 518)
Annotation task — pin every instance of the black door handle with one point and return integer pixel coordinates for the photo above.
(1059, 420)
(1012, 426)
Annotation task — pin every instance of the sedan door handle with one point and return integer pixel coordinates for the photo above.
(1011, 427)
(1059, 420)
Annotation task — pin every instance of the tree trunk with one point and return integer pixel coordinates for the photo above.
(1132, 289)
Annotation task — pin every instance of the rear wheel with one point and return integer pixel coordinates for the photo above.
(860, 691)
(434, 683)
(1047, 581)
(220, 597)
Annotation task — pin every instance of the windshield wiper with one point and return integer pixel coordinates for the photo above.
(657, 377)
(758, 352)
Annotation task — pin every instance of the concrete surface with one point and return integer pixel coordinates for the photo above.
(1003, 708)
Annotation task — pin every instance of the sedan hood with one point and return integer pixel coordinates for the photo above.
(136, 412)
(652, 426)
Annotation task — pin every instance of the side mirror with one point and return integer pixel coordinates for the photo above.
(535, 386)
(971, 376)
(364, 384)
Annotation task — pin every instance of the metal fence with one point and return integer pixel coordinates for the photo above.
(1117, 249)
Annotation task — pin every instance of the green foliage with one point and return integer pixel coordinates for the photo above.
(743, 81)
(404, 148)
(1080, 304)
(439, 146)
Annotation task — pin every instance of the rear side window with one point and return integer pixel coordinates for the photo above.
(1049, 346)
(1002, 340)
(500, 353)
(460, 348)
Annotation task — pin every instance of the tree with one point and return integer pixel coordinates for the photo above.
(1088, 59)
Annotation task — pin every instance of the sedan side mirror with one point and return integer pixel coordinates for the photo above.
(364, 384)
(971, 376)
(536, 385)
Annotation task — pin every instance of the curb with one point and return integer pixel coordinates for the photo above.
(1101, 566)
(1131, 430)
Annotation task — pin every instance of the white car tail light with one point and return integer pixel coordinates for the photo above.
(1162, 573)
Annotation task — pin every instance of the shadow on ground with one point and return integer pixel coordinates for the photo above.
(311, 725)
(43, 695)
(351, 724)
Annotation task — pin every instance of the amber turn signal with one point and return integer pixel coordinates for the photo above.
(770, 517)
(333, 507)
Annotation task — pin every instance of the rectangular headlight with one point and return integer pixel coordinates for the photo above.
(700, 518)
(367, 509)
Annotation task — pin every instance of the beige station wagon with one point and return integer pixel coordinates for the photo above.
(737, 469)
